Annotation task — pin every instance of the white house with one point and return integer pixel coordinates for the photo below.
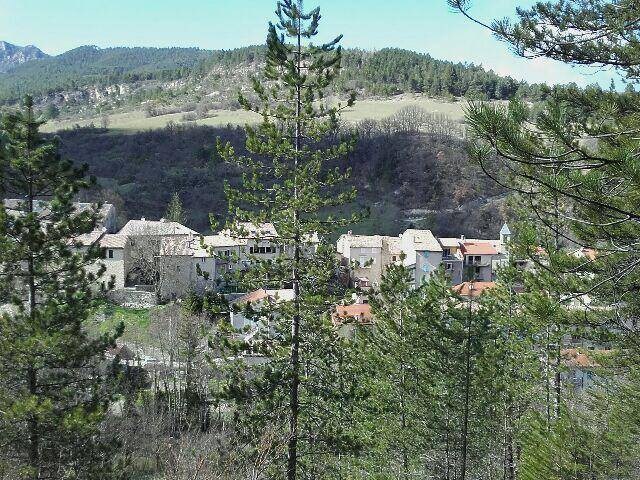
(257, 300)
(368, 256)
(423, 254)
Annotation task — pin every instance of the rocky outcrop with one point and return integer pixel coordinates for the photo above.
(12, 55)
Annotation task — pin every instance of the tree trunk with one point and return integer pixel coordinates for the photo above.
(294, 402)
(467, 381)
(32, 374)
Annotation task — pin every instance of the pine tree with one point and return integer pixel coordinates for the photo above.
(574, 163)
(451, 378)
(175, 210)
(399, 373)
(293, 179)
(53, 392)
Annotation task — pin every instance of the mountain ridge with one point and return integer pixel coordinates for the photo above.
(89, 81)
(12, 55)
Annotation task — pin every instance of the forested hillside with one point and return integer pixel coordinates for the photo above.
(112, 79)
(91, 66)
(394, 172)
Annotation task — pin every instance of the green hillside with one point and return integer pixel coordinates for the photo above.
(385, 72)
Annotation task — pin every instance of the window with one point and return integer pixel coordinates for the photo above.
(110, 254)
(393, 258)
(448, 266)
(474, 259)
(446, 252)
(362, 261)
(263, 250)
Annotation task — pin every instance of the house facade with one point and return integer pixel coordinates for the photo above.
(173, 260)
(365, 258)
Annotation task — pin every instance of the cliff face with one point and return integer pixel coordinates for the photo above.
(12, 55)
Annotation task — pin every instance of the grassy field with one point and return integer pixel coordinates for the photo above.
(364, 109)
(136, 322)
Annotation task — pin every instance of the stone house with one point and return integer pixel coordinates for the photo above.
(185, 265)
(423, 254)
(114, 259)
(367, 257)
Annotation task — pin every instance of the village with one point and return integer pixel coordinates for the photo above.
(162, 260)
(152, 262)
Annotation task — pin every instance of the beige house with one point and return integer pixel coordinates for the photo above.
(363, 256)
(236, 249)
(366, 257)
(185, 265)
(174, 260)
(114, 248)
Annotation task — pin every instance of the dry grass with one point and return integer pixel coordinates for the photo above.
(364, 109)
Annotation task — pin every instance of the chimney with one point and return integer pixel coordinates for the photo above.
(162, 220)
(462, 238)
(350, 232)
(143, 219)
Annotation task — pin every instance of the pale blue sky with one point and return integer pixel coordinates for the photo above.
(421, 25)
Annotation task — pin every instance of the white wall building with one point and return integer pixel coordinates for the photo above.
(366, 257)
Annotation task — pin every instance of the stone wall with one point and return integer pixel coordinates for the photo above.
(132, 297)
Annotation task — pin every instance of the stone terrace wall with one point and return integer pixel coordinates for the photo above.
(132, 297)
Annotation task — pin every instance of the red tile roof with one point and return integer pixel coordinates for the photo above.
(478, 248)
(358, 311)
(251, 297)
(574, 358)
(472, 289)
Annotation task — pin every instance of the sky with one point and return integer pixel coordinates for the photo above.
(428, 26)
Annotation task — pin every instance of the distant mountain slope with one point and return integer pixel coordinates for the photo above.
(92, 66)
(103, 79)
(14, 55)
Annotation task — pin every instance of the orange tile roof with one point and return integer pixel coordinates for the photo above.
(466, 290)
(357, 311)
(254, 296)
(478, 248)
(575, 358)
